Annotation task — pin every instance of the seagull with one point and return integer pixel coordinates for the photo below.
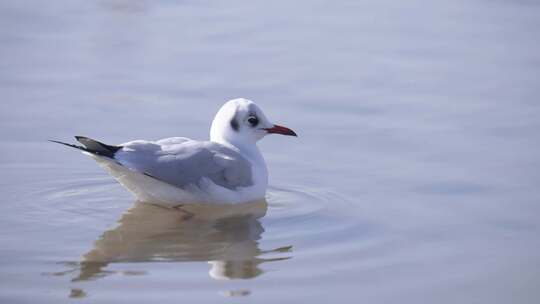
(227, 169)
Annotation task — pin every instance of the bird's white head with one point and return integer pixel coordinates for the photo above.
(241, 123)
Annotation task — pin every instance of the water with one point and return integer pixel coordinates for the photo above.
(415, 177)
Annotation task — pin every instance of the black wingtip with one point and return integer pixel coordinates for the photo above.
(92, 146)
(97, 147)
(66, 144)
(59, 142)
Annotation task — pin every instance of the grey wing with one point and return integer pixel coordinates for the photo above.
(186, 162)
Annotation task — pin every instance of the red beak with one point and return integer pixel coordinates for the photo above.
(277, 129)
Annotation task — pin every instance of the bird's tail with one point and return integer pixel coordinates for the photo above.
(92, 146)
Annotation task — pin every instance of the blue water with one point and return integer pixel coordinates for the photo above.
(414, 177)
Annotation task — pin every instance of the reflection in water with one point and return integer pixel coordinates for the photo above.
(77, 293)
(225, 236)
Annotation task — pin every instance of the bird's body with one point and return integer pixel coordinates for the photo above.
(174, 171)
(198, 171)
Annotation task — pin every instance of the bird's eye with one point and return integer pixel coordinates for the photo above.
(253, 121)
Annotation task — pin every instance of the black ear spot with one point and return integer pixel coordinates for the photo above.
(234, 124)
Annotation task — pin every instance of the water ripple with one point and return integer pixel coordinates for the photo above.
(301, 222)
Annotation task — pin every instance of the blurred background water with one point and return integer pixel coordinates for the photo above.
(415, 177)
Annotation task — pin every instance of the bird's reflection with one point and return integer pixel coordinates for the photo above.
(227, 237)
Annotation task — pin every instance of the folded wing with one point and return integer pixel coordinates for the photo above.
(182, 162)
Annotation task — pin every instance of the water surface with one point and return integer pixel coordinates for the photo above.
(414, 179)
